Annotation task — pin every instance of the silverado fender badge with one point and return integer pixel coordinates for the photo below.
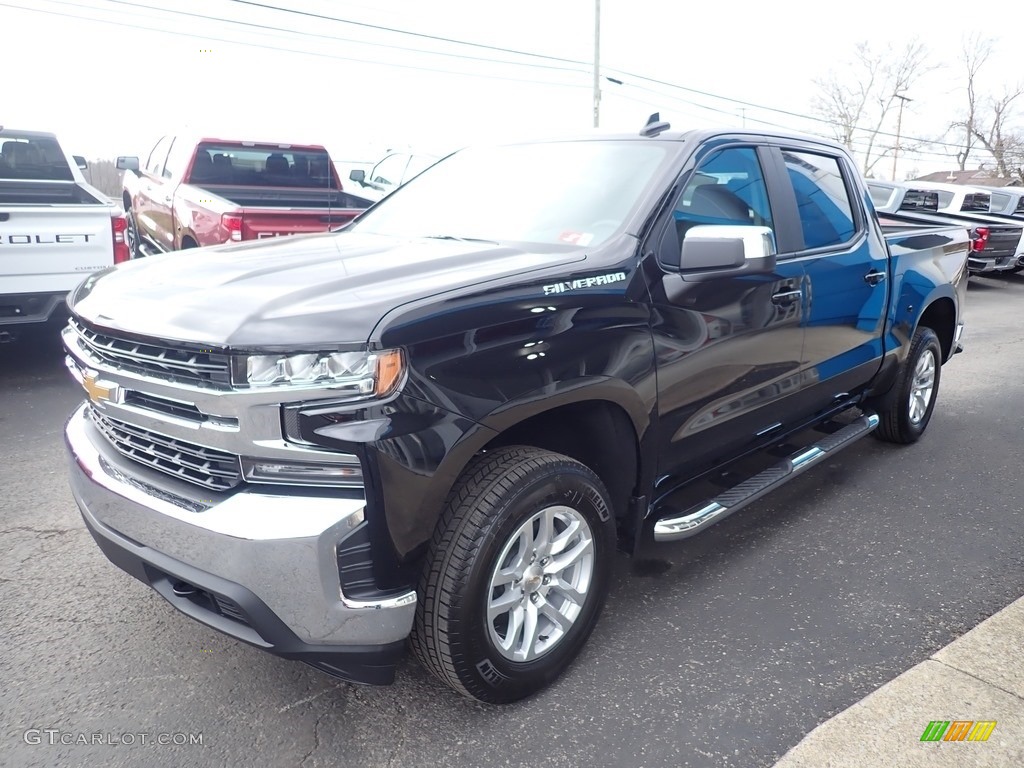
(584, 282)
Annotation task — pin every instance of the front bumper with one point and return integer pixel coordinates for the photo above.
(260, 567)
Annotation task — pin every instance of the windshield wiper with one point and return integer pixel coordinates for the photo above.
(459, 239)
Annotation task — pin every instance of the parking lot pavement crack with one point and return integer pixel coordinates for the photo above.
(316, 738)
(43, 533)
(979, 679)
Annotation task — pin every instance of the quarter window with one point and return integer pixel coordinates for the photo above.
(823, 203)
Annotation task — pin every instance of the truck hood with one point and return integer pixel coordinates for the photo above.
(324, 289)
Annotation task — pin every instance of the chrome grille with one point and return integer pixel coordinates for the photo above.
(206, 467)
(175, 364)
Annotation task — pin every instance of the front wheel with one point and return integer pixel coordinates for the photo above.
(516, 574)
(907, 408)
(132, 236)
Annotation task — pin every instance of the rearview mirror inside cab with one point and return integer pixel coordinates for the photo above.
(728, 247)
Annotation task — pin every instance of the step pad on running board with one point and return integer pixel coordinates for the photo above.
(681, 525)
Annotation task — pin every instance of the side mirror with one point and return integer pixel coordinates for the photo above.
(127, 163)
(715, 251)
(358, 175)
(80, 162)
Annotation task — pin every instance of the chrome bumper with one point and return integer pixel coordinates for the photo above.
(280, 549)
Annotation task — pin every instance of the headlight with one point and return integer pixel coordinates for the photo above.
(366, 374)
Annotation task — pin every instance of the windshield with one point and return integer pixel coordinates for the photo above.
(555, 193)
(32, 157)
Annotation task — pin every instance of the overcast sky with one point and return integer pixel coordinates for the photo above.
(262, 72)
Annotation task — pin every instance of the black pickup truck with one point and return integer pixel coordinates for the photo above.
(434, 427)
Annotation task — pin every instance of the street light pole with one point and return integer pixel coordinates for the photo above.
(899, 126)
(597, 63)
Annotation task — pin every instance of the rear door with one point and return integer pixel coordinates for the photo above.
(51, 249)
(846, 267)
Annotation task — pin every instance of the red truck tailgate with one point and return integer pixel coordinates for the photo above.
(257, 223)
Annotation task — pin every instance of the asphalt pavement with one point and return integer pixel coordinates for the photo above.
(724, 651)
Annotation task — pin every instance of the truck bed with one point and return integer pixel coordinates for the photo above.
(291, 197)
(19, 192)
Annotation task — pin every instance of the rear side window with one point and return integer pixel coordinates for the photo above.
(32, 157)
(1000, 201)
(978, 202)
(823, 203)
(880, 196)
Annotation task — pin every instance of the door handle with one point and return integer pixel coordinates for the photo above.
(874, 278)
(786, 297)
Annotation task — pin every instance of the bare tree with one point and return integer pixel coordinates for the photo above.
(988, 123)
(860, 99)
(1002, 142)
(975, 51)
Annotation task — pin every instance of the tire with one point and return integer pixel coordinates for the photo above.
(907, 408)
(499, 493)
(132, 236)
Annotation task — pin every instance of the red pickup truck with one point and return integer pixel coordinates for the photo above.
(194, 192)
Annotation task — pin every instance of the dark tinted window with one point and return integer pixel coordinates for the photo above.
(976, 201)
(919, 199)
(1020, 206)
(261, 166)
(32, 157)
(826, 215)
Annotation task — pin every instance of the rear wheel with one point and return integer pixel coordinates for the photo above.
(515, 575)
(907, 408)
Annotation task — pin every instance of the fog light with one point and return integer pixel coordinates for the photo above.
(348, 474)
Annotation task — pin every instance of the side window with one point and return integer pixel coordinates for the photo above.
(155, 161)
(389, 170)
(177, 158)
(727, 188)
(823, 203)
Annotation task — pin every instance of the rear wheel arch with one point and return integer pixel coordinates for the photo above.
(940, 315)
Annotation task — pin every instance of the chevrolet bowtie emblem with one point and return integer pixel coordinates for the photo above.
(99, 392)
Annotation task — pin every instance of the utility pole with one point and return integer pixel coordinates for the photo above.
(597, 63)
(899, 126)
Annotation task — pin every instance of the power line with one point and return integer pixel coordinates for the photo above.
(438, 38)
(857, 145)
(333, 38)
(277, 48)
(637, 76)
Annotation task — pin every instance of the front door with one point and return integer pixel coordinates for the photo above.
(728, 348)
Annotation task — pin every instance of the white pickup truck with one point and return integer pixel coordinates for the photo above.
(55, 229)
